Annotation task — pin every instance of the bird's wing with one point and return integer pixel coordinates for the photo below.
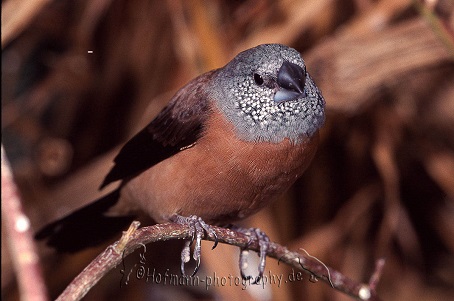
(178, 125)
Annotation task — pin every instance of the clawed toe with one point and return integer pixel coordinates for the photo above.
(264, 243)
(198, 229)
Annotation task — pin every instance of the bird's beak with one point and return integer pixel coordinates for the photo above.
(291, 79)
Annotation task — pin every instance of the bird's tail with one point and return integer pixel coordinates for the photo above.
(86, 227)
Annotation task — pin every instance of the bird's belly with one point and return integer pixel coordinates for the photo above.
(218, 182)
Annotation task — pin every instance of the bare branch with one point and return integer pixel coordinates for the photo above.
(19, 239)
(135, 238)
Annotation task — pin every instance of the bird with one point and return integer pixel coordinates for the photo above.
(227, 144)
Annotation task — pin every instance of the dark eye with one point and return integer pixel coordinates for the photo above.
(258, 79)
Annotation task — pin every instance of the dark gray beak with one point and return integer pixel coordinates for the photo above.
(291, 79)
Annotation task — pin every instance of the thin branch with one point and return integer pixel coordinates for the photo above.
(375, 278)
(135, 238)
(19, 239)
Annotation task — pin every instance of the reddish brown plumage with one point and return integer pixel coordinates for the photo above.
(190, 159)
(221, 178)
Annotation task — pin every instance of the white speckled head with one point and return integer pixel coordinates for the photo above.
(249, 89)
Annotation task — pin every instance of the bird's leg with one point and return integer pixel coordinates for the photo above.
(198, 228)
(264, 243)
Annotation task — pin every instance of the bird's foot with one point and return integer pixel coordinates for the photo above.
(198, 229)
(264, 243)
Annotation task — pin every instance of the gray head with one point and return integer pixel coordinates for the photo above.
(267, 95)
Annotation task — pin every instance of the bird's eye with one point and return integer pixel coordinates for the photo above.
(258, 79)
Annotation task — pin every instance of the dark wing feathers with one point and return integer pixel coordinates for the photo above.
(178, 125)
(86, 227)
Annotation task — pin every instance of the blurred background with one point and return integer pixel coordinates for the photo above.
(81, 77)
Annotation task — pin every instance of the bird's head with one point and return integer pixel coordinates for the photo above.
(267, 94)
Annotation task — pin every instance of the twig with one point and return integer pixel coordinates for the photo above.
(366, 291)
(375, 278)
(19, 239)
(135, 238)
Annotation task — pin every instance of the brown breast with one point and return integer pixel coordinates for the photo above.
(220, 178)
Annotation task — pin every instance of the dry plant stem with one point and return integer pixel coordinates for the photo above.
(437, 26)
(341, 67)
(375, 278)
(17, 15)
(19, 239)
(135, 238)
